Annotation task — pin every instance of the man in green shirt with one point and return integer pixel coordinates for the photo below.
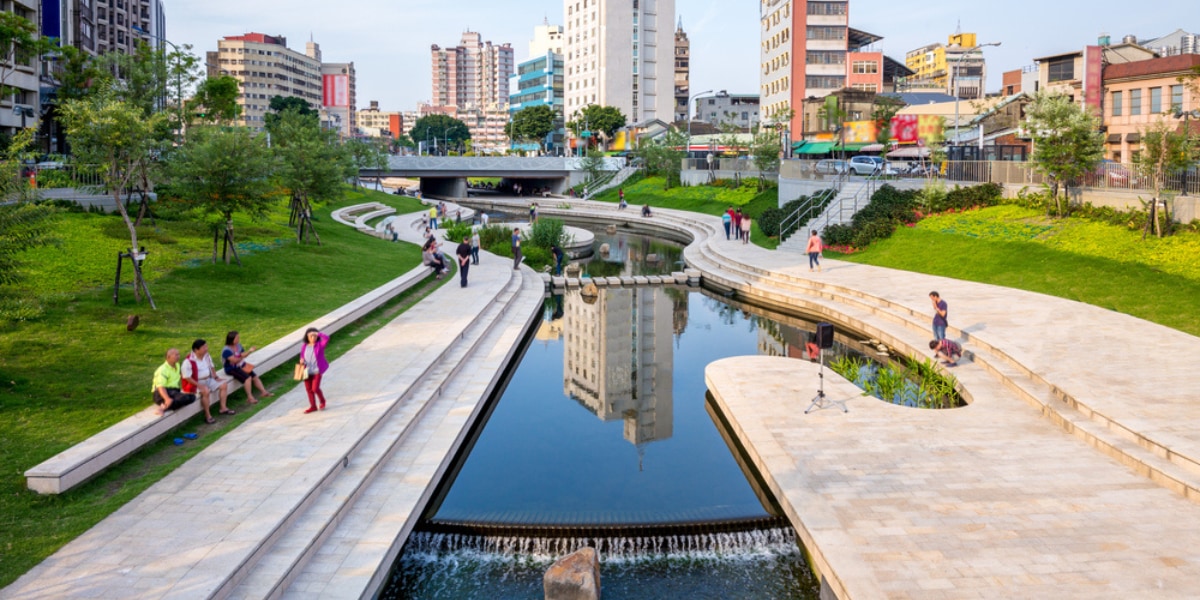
(165, 389)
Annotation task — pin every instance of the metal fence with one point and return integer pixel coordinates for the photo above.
(57, 176)
(1106, 176)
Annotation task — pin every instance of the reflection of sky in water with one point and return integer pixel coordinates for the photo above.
(633, 254)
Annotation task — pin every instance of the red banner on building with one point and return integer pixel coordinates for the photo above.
(336, 90)
(1093, 65)
(904, 129)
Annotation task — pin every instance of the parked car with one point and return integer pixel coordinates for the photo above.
(870, 165)
(832, 167)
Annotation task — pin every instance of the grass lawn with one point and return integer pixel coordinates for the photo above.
(76, 370)
(1103, 265)
(709, 200)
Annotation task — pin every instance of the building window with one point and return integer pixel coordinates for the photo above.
(825, 57)
(865, 66)
(1135, 102)
(1155, 100)
(827, 8)
(1176, 98)
(826, 82)
(817, 32)
(1116, 104)
(1061, 69)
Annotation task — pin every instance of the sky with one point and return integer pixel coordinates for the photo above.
(389, 40)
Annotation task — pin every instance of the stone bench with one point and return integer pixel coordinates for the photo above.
(88, 458)
(347, 215)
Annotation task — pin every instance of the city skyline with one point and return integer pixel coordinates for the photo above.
(389, 41)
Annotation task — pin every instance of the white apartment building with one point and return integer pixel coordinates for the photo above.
(546, 38)
(775, 56)
(620, 53)
(265, 67)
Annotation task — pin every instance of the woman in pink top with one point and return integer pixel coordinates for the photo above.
(312, 356)
(815, 246)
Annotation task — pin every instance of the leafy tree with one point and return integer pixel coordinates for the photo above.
(279, 105)
(1067, 142)
(593, 164)
(1165, 150)
(366, 154)
(765, 153)
(215, 101)
(116, 135)
(23, 223)
(76, 72)
(664, 157)
(884, 109)
(312, 165)
(729, 138)
(402, 142)
(595, 118)
(223, 170)
(532, 124)
(444, 128)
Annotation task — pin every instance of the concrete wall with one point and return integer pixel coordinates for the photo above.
(444, 187)
(1185, 208)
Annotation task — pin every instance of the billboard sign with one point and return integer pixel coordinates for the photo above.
(336, 90)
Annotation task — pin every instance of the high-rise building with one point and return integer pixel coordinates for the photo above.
(121, 24)
(957, 67)
(809, 50)
(339, 96)
(682, 72)
(539, 81)
(265, 67)
(619, 53)
(22, 77)
(473, 74)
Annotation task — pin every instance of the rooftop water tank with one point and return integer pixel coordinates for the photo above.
(1129, 39)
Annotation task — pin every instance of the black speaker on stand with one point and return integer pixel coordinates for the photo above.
(824, 342)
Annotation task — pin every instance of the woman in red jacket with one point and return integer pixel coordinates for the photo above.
(312, 356)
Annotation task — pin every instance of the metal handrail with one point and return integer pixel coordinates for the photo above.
(838, 206)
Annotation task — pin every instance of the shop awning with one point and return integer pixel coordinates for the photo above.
(854, 147)
(909, 152)
(1133, 138)
(1114, 138)
(816, 148)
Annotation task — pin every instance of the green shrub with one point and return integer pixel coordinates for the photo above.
(494, 235)
(547, 232)
(838, 235)
(871, 231)
(536, 257)
(770, 220)
(455, 232)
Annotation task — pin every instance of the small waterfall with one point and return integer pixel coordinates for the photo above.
(730, 544)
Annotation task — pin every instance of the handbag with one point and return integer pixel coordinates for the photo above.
(300, 373)
(247, 368)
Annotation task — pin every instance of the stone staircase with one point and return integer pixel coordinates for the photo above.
(617, 179)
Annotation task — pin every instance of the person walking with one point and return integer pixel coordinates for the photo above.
(727, 221)
(737, 224)
(815, 247)
(464, 260)
(475, 247)
(312, 356)
(941, 312)
(433, 217)
(516, 247)
(746, 229)
(533, 213)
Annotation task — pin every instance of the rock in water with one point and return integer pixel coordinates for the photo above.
(590, 289)
(575, 576)
(604, 249)
(611, 230)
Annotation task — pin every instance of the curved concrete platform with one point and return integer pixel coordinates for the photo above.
(990, 501)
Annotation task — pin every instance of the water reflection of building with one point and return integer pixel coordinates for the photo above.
(619, 358)
(782, 340)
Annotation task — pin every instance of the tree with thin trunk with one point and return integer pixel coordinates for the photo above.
(366, 153)
(116, 135)
(220, 171)
(313, 166)
(1165, 150)
(1067, 142)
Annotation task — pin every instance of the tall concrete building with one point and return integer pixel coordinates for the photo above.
(339, 96)
(265, 67)
(473, 74)
(121, 24)
(683, 59)
(958, 68)
(22, 78)
(546, 38)
(619, 53)
(809, 50)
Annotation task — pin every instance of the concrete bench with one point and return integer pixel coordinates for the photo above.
(90, 457)
(347, 215)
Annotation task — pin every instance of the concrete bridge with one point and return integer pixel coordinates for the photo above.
(447, 175)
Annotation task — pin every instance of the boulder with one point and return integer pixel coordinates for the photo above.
(573, 270)
(590, 289)
(575, 576)
(611, 230)
(604, 249)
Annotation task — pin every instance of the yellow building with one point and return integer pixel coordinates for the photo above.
(938, 66)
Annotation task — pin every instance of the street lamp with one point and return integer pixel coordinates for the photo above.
(954, 74)
(178, 72)
(1186, 115)
(688, 151)
(23, 111)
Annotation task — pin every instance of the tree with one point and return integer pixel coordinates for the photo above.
(220, 171)
(593, 164)
(596, 118)
(664, 157)
(279, 105)
(215, 100)
(312, 166)
(116, 135)
(23, 223)
(884, 109)
(445, 130)
(366, 154)
(765, 153)
(1067, 142)
(532, 124)
(1165, 150)
(77, 74)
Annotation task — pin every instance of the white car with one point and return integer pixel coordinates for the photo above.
(870, 165)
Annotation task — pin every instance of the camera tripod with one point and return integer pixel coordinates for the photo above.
(821, 400)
